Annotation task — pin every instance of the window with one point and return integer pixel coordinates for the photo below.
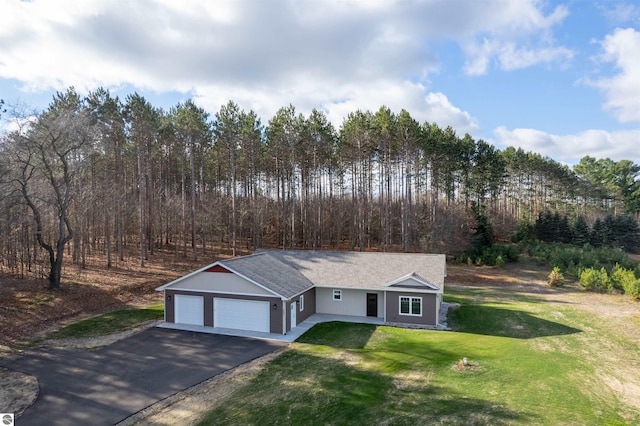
(337, 294)
(301, 303)
(411, 305)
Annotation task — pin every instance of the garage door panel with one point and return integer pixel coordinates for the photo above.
(241, 314)
(189, 309)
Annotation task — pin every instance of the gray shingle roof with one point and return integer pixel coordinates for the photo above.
(362, 269)
(269, 272)
(288, 273)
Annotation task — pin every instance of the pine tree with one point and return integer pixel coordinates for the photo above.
(483, 229)
(597, 234)
(581, 232)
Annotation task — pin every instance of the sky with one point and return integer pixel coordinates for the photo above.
(559, 78)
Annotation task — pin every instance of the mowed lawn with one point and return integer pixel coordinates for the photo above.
(531, 360)
(111, 322)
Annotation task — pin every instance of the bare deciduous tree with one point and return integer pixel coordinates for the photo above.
(44, 160)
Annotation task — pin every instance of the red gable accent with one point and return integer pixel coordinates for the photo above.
(218, 268)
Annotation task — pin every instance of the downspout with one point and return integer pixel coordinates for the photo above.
(384, 306)
(164, 314)
(284, 317)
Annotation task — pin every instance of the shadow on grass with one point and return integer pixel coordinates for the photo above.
(492, 294)
(339, 335)
(401, 350)
(493, 321)
(306, 388)
(514, 280)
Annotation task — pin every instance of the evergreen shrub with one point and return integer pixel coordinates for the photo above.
(556, 278)
(594, 279)
(496, 255)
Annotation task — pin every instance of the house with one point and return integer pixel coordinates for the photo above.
(274, 290)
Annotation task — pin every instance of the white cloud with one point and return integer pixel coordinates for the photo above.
(618, 145)
(338, 100)
(19, 125)
(439, 110)
(335, 55)
(16, 117)
(622, 13)
(509, 56)
(512, 58)
(523, 40)
(622, 90)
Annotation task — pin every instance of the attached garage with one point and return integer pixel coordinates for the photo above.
(189, 309)
(252, 315)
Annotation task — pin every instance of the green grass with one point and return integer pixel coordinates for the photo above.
(532, 363)
(111, 322)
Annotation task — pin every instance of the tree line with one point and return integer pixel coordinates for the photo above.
(613, 231)
(109, 177)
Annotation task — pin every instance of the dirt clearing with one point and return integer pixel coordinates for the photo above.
(29, 310)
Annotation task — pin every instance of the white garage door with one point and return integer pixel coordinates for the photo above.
(189, 309)
(241, 314)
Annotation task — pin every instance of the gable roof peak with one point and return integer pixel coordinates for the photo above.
(412, 277)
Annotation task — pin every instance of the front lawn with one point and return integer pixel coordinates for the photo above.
(111, 322)
(529, 362)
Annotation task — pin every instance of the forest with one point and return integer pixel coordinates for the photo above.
(114, 178)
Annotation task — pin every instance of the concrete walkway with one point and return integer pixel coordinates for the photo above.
(301, 328)
(291, 336)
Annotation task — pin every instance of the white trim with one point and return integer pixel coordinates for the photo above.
(300, 292)
(340, 287)
(190, 290)
(301, 303)
(411, 290)
(220, 263)
(414, 277)
(384, 289)
(336, 292)
(429, 288)
(410, 313)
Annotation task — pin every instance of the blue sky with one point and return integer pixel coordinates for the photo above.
(561, 78)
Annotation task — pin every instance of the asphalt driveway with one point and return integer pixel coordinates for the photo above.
(107, 385)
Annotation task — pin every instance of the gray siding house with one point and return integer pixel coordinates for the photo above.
(274, 290)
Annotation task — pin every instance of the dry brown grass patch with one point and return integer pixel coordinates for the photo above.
(412, 379)
(18, 391)
(469, 366)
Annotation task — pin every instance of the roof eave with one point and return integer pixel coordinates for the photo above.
(432, 289)
(256, 283)
(184, 277)
(412, 276)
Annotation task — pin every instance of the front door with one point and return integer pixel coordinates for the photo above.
(372, 304)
